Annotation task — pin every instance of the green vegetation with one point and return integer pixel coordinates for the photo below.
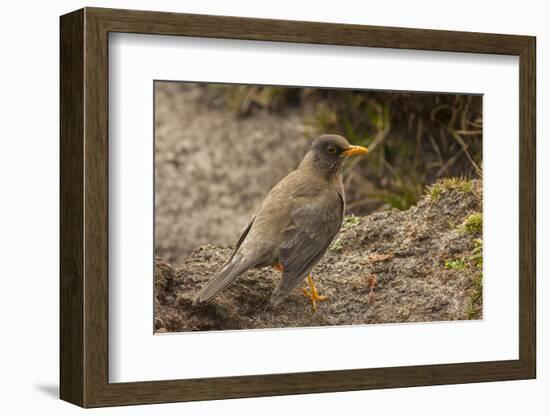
(472, 224)
(350, 221)
(477, 254)
(449, 184)
(474, 307)
(475, 260)
(414, 139)
(456, 264)
(336, 246)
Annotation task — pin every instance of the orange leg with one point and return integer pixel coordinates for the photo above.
(278, 267)
(313, 295)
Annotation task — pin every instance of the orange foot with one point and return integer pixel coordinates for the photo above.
(313, 295)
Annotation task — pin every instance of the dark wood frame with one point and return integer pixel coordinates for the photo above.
(84, 207)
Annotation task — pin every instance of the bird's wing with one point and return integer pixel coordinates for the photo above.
(312, 229)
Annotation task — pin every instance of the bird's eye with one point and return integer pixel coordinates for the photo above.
(331, 150)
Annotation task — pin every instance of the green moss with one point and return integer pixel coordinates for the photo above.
(456, 264)
(350, 222)
(474, 265)
(449, 184)
(472, 224)
(336, 246)
(475, 305)
(477, 254)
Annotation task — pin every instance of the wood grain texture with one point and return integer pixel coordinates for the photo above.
(227, 27)
(84, 206)
(71, 100)
(96, 219)
(527, 207)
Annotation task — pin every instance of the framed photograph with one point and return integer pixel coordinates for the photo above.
(255, 207)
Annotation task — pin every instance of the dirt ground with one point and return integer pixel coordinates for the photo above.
(395, 266)
(213, 169)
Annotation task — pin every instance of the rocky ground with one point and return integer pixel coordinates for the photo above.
(423, 264)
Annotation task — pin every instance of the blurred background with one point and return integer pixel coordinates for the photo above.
(220, 148)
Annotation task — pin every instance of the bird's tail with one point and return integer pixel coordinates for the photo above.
(230, 271)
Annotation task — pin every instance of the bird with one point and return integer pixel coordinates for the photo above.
(294, 225)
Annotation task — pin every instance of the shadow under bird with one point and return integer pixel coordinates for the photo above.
(294, 225)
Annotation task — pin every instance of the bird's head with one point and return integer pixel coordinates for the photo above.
(328, 152)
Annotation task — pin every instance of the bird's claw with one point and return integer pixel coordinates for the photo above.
(313, 296)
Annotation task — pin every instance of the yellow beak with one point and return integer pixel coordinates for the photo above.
(355, 150)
